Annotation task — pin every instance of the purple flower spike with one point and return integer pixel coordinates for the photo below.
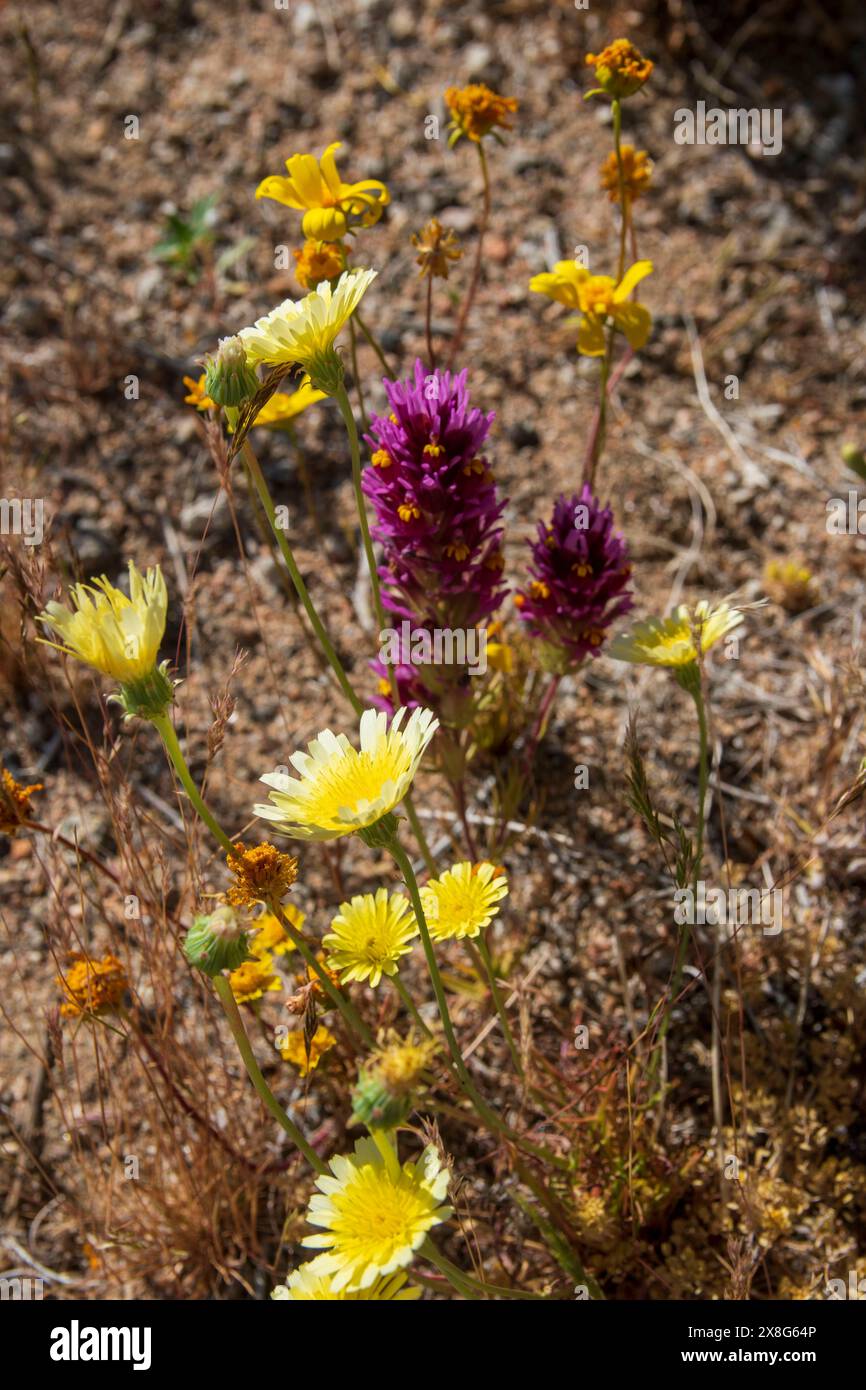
(579, 580)
(435, 502)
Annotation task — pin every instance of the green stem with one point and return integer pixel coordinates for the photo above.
(466, 1284)
(357, 375)
(409, 1003)
(418, 831)
(266, 500)
(482, 956)
(337, 997)
(351, 429)
(374, 344)
(165, 729)
(239, 1033)
(617, 134)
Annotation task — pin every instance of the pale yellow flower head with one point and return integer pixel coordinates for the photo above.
(302, 332)
(463, 900)
(369, 935)
(374, 1213)
(342, 789)
(600, 300)
(116, 635)
(304, 1285)
(676, 641)
(329, 205)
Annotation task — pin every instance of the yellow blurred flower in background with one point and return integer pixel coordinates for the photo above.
(637, 168)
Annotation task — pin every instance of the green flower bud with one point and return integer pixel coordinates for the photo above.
(228, 379)
(149, 697)
(217, 942)
(853, 457)
(377, 1107)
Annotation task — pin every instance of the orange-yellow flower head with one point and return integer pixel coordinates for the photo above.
(637, 168)
(317, 261)
(330, 206)
(620, 68)
(476, 111)
(253, 978)
(14, 803)
(92, 986)
(306, 1054)
(261, 874)
(600, 300)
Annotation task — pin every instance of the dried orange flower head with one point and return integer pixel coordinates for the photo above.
(620, 68)
(476, 111)
(318, 261)
(436, 246)
(92, 986)
(637, 168)
(261, 874)
(14, 803)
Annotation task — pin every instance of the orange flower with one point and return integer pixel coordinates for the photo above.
(14, 803)
(637, 168)
(620, 68)
(476, 111)
(318, 261)
(92, 986)
(261, 873)
(436, 246)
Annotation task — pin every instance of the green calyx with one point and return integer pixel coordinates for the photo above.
(325, 371)
(375, 1106)
(217, 942)
(228, 378)
(382, 834)
(149, 697)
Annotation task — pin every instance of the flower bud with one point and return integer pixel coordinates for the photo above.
(228, 379)
(217, 942)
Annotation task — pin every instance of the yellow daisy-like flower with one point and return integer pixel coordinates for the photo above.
(600, 299)
(672, 641)
(369, 935)
(374, 1213)
(620, 68)
(282, 407)
(303, 332)
(791, 585)
(92, 986)
(271, 935)
(294, 1050)
(340, 789)
(329, 205)
(476, 111)
(304, 1285)
(318, 261)
(118, 636)
(637, 168)
(463, 900)
(15, 807)
(253, 978)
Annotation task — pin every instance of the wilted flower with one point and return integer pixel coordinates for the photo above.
(330, 206)
(374, 1213)
(620, 68)
(463, 900)
(369, 935)
(305, 1285)
(578, 581)
(306, 1054)
(262, 874)
(251, 979)
(637, 170)
(476, 111)
(92, 986)
(676, 641)
(303, 332)
(341, 790)
(600, 299)
(436, 246)
(14, 802)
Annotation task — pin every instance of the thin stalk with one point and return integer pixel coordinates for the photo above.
(409, 1003)
(338, 999)
(373, 341)
(482, 955)
(617, 135)
(353, 337)
(165, 729)
(267, 502)
(428, 320)
(239, 1033)
(476, 269)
